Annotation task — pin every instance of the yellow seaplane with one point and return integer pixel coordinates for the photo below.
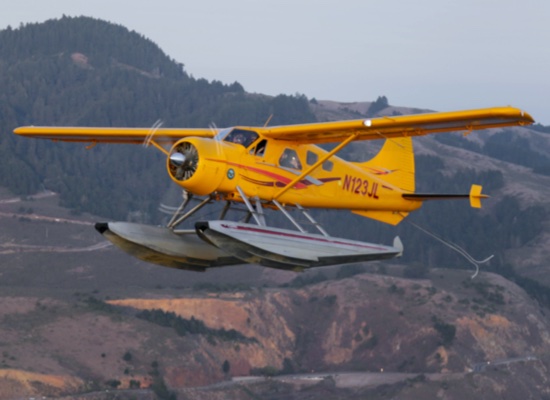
(281, 168)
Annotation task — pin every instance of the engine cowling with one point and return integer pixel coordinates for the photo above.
(197, 164)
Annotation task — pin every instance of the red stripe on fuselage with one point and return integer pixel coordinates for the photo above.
(279, 178)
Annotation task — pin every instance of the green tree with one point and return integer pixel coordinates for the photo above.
(127, 356)
(226, 366)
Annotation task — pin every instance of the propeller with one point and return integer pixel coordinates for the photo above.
(152, 132)
(183, 161)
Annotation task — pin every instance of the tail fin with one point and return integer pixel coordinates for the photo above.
(394, 163)
(476, 196)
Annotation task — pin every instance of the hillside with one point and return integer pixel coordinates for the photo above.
(79, 317)
(86, 72)
(73, 322)
(514, 223)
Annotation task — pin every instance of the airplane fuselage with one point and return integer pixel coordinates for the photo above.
(265, 167)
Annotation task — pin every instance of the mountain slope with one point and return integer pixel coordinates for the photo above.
(61, 285)
(81, 71)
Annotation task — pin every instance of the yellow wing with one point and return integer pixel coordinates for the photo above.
(400, 126)
(322, 132)
(111, 135)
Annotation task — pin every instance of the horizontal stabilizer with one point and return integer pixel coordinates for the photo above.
(433, 196)
(475, 196)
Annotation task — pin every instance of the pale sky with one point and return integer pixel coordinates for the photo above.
(438, 54)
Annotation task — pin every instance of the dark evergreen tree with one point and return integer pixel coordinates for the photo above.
(226, 366)
(377, 106)
(86, 72)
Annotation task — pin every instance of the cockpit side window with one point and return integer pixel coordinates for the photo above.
(290, 159)
(259, 149)
(242, 137)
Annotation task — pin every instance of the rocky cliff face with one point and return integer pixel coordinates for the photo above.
(446, 325)
(368, 323)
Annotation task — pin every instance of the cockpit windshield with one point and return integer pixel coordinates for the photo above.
(223, 133)
(241, 136)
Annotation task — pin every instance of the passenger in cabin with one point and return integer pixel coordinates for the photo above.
(290, 159)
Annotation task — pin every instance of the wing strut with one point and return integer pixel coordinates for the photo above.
(186, 199)
(312, 220)
(173, 223)
(256, 212)
(314, 166)
(287, 214)
(305, 213)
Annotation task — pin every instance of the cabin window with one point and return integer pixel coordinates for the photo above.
(289, 159)
(311, 158)
(242, 137)
(259, 150)
(327, 165)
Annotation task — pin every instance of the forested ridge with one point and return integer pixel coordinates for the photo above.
(87, 72)
(82, 71)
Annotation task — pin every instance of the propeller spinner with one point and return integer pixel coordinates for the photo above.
(183, 161)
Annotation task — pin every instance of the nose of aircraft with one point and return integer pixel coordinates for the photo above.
(177, 159)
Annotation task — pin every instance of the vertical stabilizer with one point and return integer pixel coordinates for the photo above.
(394, 163)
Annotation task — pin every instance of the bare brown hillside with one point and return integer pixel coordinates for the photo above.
(348, 336)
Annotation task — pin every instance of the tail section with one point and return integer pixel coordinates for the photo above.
(394, 163)
(476, 196)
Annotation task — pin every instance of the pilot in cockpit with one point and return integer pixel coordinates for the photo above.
(242, 137)
(239, 138)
